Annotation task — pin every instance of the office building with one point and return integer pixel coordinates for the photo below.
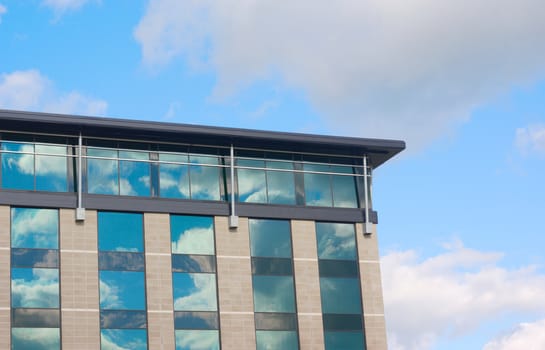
(125, 234)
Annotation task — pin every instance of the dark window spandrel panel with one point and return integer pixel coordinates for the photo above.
(121, 261)
(191, 339)
(23, 257)
(272, 266)
(29, 318)
(35, 338)
(272, 340)
(338, 268)
(336, 241)
(275, 321)
(193, 263)
(122, 319)
(336, 322)
(196, 320)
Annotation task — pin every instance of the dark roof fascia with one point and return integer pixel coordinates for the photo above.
(379, 150)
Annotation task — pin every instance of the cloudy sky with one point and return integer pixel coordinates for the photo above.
(462, 82)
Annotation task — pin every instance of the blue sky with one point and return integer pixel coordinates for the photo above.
(462, 82)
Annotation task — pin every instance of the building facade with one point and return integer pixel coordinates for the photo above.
(119, 234)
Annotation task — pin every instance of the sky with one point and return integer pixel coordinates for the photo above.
(462, 82)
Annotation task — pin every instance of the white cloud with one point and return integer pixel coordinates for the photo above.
(62, 6)
(203, 295)
(375, 68)
(3, 10)
(528, 336)
(109, 296)
(201, 339)
(451, 294)
(198, 240)
(31, 90)
(531, 139)
(37, 225)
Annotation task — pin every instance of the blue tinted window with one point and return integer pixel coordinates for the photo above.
(122, 261)
(193, 263)
(280, 184)
(194, 291)
(336, 241)
(273, 340)
(317, 186)
(204, 179)
(174, 177)
(134, 339)
(251, 182)
(35, 338)
(122, 290)
(343, 340)
(51, 169)
(34, 228)
(120, 232)
(192, 234)
(270, 238)
(35, 288)
(102, 173)
(18, 167)
(344, 188)
(134, 176)
(340, 295)
(197, 340)
(122, 319)
(273, 294)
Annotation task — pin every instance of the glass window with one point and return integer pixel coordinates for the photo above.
(340, 295)
(122, 319)
(205, 180)
(44, 318)
(120, 232)
(272, 266)
(173, 177)
(195, 320)
(317, 186)
(343, 340)
(35, 338)
(251, 182)
(197, 340)
(273, 340)
(34, 228)
(134, 339)
(275, 321)
(194, 291)
(193, 263)
(51, 169)
(280, 184)
(121, 261)
(344, 188)
(122, 290)
(273, 294)
(336, 241)
(192, 234)
(270, 238)
(102, 174)
(35, 288)
(17, 165)
(134, 176)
